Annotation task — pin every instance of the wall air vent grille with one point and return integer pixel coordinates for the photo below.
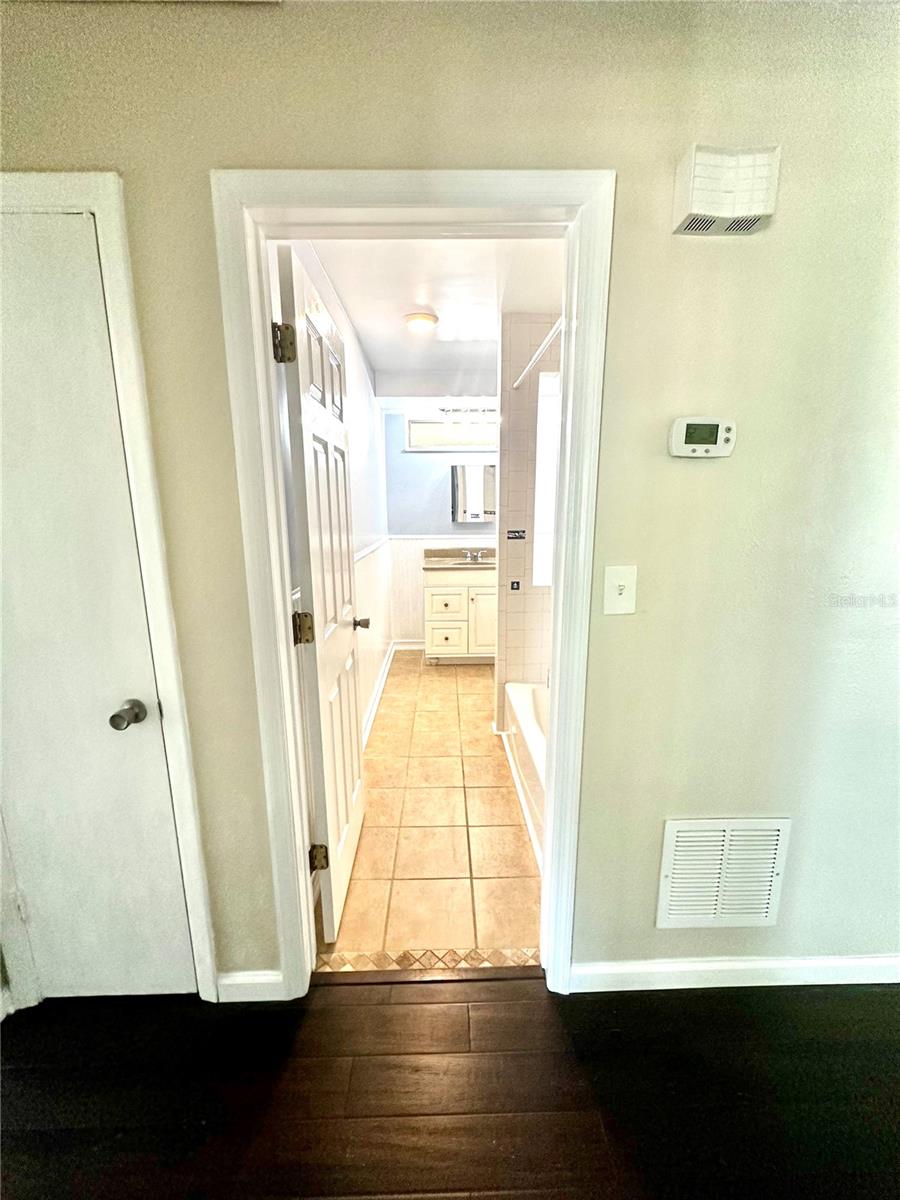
(721, 191)
(699, 224)
(725, 873)
(742, 225)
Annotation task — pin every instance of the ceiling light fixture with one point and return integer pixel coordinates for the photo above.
(421, 322)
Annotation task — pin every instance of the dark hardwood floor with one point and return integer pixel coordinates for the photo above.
(472, 1088)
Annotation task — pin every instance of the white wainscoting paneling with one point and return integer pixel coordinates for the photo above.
(407, 600)
(373, 600)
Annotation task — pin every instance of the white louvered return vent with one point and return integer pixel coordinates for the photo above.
(721, 872)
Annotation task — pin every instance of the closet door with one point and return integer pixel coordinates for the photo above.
(87, 809)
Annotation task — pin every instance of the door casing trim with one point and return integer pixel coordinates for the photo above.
(252, 208)
(101, 194)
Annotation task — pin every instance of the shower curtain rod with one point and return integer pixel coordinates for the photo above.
(541, 351)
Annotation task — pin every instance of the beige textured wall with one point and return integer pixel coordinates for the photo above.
(735, 686)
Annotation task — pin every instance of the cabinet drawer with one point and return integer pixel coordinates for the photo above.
(446, 637)
(445, 604)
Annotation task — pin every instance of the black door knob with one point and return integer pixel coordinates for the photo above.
(361, 622)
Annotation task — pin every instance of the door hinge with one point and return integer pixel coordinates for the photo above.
(318, 857)
(304, 629)
(284, 343)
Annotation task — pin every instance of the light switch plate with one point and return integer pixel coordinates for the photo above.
(619, 590)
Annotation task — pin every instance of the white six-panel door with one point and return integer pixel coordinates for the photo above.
(317, 480)
(87, 809)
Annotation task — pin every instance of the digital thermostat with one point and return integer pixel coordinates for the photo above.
(702, 437)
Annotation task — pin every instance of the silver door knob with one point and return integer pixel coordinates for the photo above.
(132, 712)
(361, 622)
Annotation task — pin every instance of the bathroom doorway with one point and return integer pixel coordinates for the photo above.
(416, 681)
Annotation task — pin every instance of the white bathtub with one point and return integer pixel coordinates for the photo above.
(527, 706)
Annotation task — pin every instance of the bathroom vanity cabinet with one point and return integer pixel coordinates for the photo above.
(460, 608)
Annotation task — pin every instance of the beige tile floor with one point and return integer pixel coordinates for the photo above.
(444, 858)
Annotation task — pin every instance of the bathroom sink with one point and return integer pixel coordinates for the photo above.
(441, 560)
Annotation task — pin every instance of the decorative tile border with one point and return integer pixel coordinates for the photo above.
(426, 960)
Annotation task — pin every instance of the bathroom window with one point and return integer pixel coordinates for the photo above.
(546, 470)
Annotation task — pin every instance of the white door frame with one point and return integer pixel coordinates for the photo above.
(100, 194)
(252, 208)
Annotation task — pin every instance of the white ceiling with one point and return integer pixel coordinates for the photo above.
(466, 282)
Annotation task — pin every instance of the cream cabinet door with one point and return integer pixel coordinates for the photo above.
(482, 620)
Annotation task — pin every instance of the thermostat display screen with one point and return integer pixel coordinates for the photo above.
(700, 435)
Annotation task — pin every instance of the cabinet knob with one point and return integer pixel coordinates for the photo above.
(446, 604)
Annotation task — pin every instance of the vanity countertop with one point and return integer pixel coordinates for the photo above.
(453, 558)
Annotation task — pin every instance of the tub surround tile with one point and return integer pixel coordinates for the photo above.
(438, 852)
(501, 851)
(434, 806)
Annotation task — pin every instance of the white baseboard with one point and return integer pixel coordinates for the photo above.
(408, 644)
(660, 973)
(523, 801)
(376, 694)
(242, 986)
